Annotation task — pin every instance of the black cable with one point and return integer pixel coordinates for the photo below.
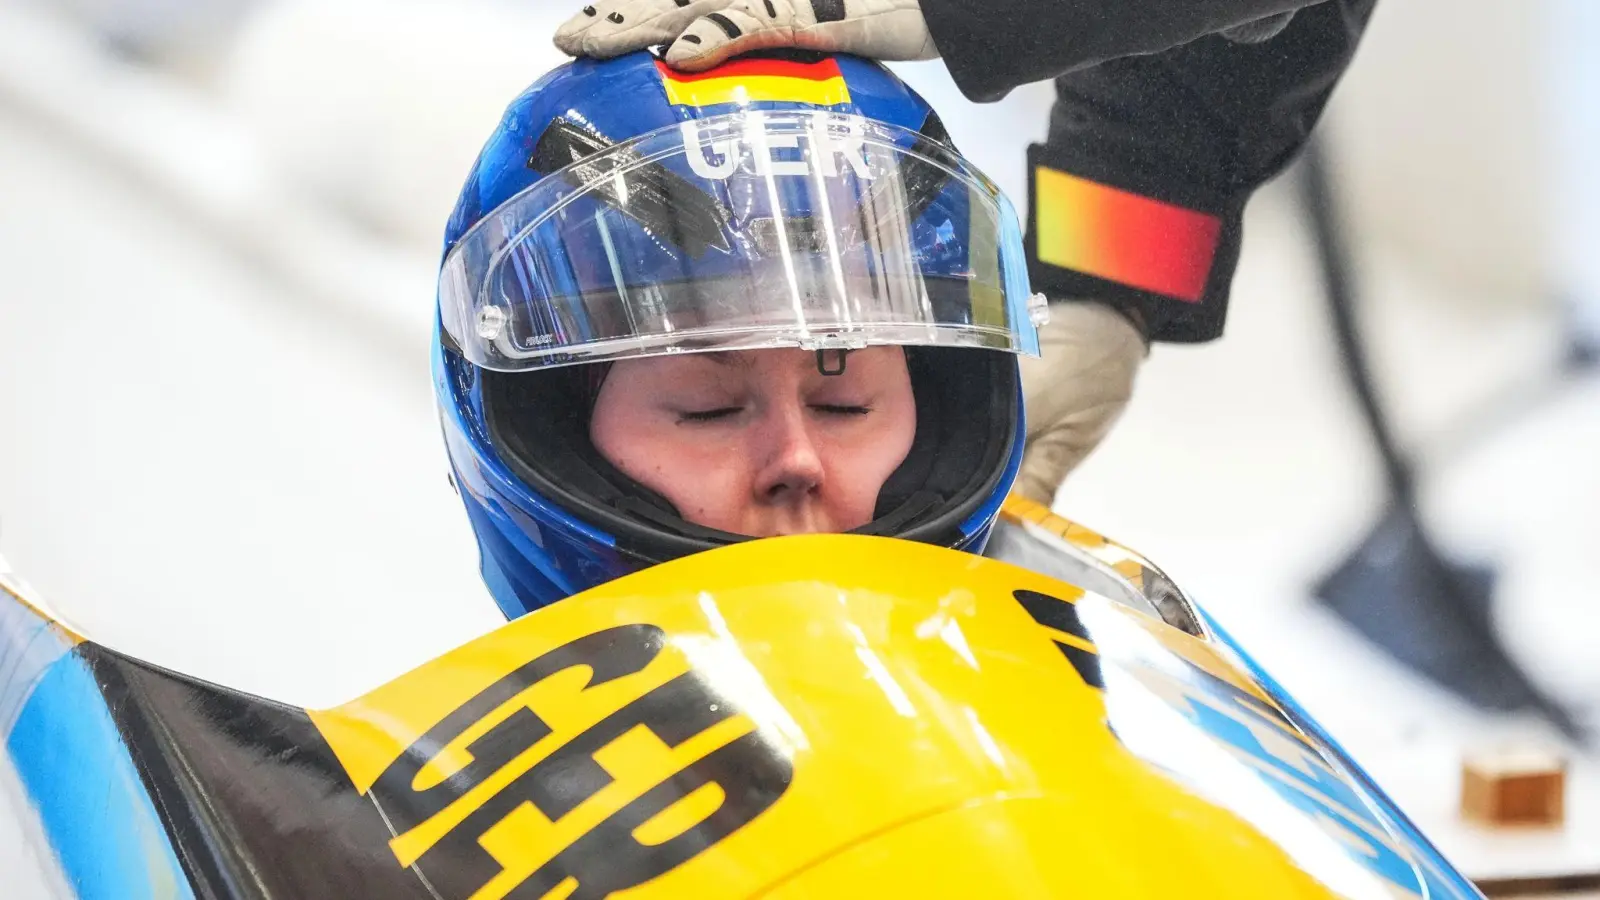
(1333, 258)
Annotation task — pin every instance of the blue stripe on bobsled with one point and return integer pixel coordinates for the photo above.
(1441, 879)
(29, 644)
(94, 808)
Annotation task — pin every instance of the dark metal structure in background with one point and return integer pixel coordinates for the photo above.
(1396, 588)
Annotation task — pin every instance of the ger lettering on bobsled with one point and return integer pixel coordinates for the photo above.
(725, 366)
(810, 716)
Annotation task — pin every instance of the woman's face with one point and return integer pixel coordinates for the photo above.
(760, 442)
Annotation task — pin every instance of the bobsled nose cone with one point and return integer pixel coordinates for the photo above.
(1042, 848)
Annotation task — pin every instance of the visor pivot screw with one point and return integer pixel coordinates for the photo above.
(491, 322)
(1039, 310)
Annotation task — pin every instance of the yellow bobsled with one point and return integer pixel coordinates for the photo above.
(824, 716)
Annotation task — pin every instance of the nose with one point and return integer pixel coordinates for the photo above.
(792, 469)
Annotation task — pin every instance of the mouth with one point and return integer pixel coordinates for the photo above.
(797, 522)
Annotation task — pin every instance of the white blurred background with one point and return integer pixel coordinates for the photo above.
(220, 222)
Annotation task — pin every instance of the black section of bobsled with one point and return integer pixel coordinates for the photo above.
(253, 800)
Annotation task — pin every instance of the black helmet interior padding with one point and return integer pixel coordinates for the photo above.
(967, 410)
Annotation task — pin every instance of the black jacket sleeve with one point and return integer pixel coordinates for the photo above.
(1151, 158)
(992, 46)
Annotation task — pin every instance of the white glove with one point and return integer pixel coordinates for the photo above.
(703, 33)
(1075, 390)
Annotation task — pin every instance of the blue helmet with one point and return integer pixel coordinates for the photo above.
(786, 200)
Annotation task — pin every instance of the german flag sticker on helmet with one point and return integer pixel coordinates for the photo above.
(747, 81)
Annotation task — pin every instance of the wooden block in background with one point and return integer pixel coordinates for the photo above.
(1514, 788)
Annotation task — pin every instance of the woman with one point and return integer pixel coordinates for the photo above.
(677, 313)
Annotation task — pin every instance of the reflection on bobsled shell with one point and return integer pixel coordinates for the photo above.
(1031, 536)
(815, 716)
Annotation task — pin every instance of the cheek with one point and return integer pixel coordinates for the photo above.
(859, 467)
(706, 481)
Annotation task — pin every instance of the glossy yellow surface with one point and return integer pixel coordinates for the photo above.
(935, 740)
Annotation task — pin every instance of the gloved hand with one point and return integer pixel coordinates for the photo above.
(703, 33)
(1074, 392)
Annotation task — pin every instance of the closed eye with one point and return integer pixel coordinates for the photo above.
(836, 410)
(709, 415)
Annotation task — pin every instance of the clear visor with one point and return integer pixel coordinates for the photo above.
(746, 231)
